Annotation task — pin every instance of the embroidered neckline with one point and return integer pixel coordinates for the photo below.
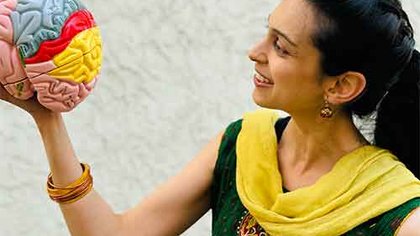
(248, 226)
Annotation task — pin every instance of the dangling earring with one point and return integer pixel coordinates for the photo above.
(326, 111)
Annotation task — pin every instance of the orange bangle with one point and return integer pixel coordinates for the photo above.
(74, 191)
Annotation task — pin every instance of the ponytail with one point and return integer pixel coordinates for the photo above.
(398, 118)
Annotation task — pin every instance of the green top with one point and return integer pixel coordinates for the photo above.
(228, 211)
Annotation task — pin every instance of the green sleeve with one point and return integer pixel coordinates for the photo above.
(227, 208)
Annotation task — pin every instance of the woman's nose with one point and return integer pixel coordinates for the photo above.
(257, 53)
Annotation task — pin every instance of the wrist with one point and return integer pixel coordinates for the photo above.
(45, 117)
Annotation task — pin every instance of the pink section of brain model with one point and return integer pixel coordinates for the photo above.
(49, 49)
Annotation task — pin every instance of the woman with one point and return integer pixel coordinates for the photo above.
(312, 173)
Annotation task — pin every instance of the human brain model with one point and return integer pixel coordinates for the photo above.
(50, 49)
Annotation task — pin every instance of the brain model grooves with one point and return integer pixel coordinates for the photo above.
(50, 49)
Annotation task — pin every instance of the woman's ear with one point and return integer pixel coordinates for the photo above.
(345, 87)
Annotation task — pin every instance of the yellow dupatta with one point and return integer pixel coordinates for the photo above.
(363, 184)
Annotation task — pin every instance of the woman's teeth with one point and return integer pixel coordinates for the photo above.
(261, 79)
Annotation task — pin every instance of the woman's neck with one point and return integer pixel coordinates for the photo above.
(319, 143)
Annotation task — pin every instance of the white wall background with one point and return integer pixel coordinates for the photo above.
(175, 73)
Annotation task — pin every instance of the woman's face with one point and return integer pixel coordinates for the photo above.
(288, 59)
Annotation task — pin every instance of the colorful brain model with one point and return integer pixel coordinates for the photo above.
(50, 49)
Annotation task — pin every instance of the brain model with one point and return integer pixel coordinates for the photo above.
(50, 49)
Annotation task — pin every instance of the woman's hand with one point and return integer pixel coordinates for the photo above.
(32, 106)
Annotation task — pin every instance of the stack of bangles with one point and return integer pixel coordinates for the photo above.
(72, 192)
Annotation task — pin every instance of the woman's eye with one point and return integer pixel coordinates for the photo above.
(276, 44)
(279, 48)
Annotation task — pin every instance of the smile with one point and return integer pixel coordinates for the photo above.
(260, 80)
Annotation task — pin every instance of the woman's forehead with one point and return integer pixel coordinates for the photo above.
(295, 19)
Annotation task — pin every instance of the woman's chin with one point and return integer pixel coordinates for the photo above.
(260, 99)
(265, 101)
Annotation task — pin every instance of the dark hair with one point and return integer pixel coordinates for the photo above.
(375, 38)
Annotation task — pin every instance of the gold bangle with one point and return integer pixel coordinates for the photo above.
(74, 191)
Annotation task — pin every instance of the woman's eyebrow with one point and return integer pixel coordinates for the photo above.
(283, 35)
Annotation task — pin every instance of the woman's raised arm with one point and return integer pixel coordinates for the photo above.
(170, 210)
(91, 215)
(178, 203)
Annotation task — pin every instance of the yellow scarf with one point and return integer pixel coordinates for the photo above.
(363, 184)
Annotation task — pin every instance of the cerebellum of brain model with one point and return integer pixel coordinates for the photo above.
(50, 49)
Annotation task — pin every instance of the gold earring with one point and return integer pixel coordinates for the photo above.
(326, 111)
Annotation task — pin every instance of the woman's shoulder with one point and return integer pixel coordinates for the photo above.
(394, 219)
(410, 226)
(233, 128)
(226, 156)
(392, 222)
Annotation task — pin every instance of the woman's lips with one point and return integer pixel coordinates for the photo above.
(261, 81)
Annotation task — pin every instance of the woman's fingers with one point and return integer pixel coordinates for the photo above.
(31, 105)
(5, 96)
